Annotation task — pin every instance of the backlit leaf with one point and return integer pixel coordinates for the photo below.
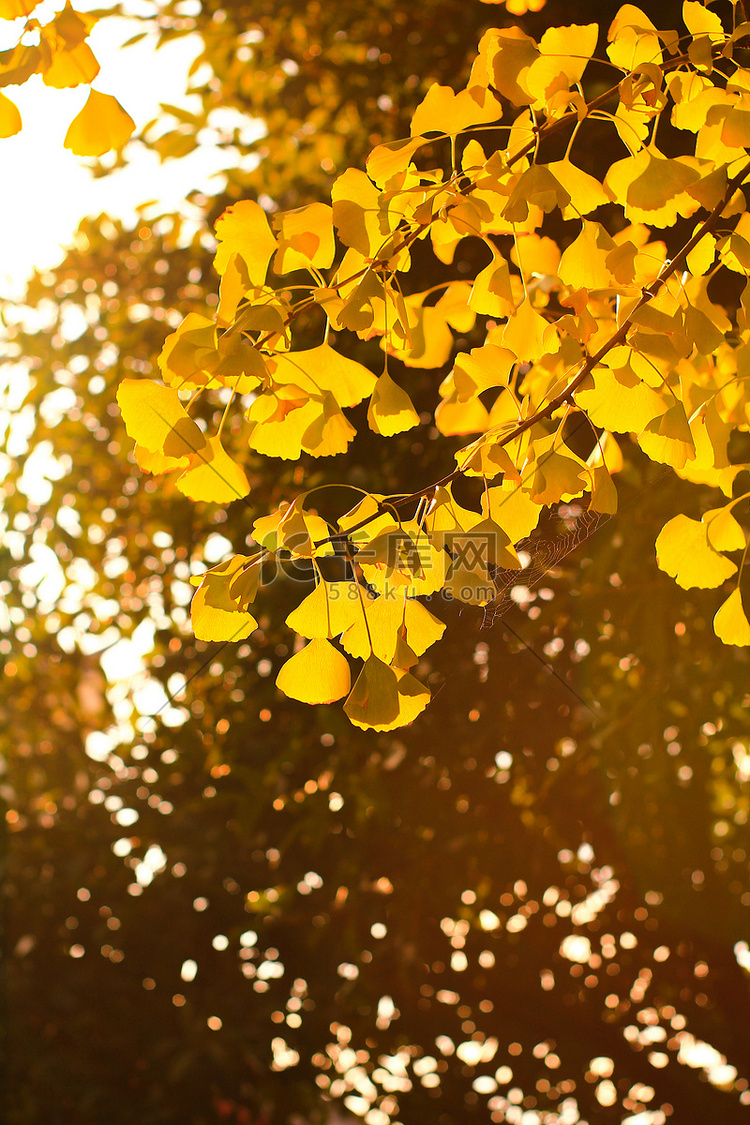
(389, 159)
(584, 263)
(305, 238)
(386, 616)
(504, 57)
(10, 117)
(101, 125)
(214, 476)
(157, 420)
(72, 68)
(559, 474)
(685, 554)
(324, 369)
(330, 609)
(243, 229)
(443, 111)
(651, 188)
(374, 700)
(524, 333)
(724, 533)
(213, 624)
(699, 20)
(731, 625)
(667, 439)
(585, 191)
(318, 673)
(391, 410)
(492, 293)
(633, 39)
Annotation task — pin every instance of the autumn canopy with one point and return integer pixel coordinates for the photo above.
(373, 586)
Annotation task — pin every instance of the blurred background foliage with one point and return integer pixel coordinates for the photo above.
(531, 905)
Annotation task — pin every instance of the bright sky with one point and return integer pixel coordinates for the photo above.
(46, 190)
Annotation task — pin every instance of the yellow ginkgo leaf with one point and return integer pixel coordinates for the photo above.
(443, 111)
(320, 369)
(387, 616)
(723, 531)
(492, 293)
(149, 462)
(213, 476)
(72, 67)
(243, 229)
(652, 188)
(538, 187)
(330, 433)
(413, 697)
(101, 125)
(633, 39)
(244, 586)
(374, 699)
(559, 474)
(10, 117)
(730, 623)
(305, 238)
(391, 411)
(318, 673)
(685, 554)
(357, 214)
(603, 491)
(14, 9)
(584, 263)
(157, 420)
(511, 508)
(524, 333)
(281, 433)
(211, 623)
(480, 369)
(388, 160)
(619, 401)
(331, 608)
(700, 21)
(667, 439)
(505, 55)
(453, 417)
(585, 191)
(564, 55)
(185, 352)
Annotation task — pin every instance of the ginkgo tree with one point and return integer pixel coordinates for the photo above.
(608, 335)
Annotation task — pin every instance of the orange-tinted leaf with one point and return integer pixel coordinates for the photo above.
(101, 125)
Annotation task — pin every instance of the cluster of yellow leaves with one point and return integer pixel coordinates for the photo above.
(604, 331)
(64, 59)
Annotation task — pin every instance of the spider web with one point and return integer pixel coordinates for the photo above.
(565, 527)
